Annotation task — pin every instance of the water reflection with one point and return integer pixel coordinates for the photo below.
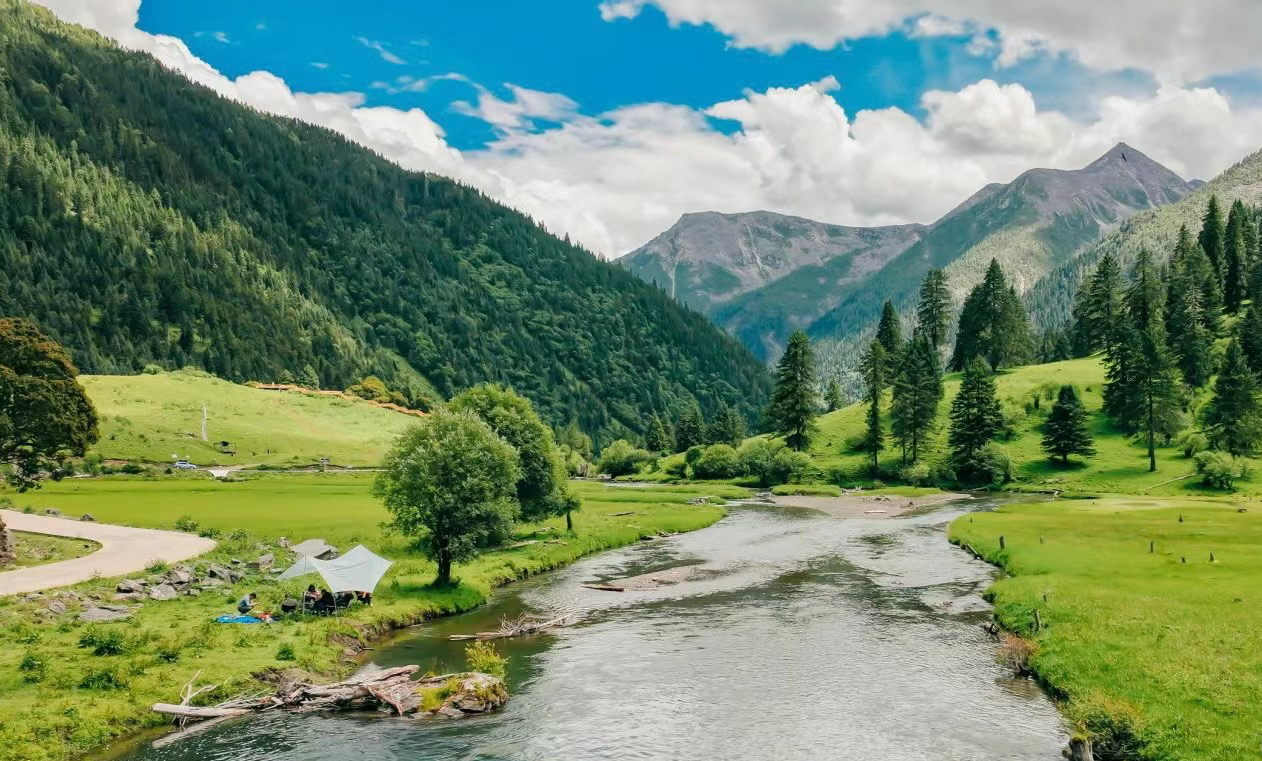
(801, 637)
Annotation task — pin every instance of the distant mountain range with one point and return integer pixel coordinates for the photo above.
(761, 275)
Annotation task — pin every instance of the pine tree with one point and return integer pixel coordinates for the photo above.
(917, 386)
(656, 438)
(1065, 432)
(1152, 399)
(794, 406)
(933, 314)
(1192, 341)
(993, 324)
(308, 378)
(1098, 309)
(1236, 257)
(690, 428)
(1233, 417)
(890, 330)
(726, 427)
(1201, 275)
(833, 399)
(1250, 337)
(1211, 238)
(976, 417)
(873, 369)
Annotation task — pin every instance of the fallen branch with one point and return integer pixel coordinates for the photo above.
(518, 627)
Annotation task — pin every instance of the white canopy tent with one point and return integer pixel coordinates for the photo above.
(359, 570)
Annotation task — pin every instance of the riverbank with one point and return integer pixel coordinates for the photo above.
(59, 699)
(870, 507)
(1143, 612)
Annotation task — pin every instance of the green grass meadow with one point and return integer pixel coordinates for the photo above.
(1162, 646)
(48, 714)
(158, 418)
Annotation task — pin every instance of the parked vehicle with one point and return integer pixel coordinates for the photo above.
(185, 465)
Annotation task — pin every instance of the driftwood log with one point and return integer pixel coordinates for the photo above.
(515, 627)
(391, 689)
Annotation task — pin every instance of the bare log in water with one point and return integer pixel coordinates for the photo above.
(515, 627)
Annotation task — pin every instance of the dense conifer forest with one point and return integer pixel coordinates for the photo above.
(145, 219)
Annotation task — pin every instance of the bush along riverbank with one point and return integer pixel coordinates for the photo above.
(1139, 615)
(68, 685)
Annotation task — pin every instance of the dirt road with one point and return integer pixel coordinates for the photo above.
(123, 551)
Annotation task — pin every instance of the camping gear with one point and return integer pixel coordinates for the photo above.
(316, 548)
(359, 570)
(238, 620)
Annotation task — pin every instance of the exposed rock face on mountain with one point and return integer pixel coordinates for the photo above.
(762, 275)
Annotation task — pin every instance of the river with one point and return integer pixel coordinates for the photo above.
(801, 636)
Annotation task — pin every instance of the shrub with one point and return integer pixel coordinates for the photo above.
(482, 656)
(1014, 415)
(33, 669)
(790, 466)
(1192, 443)
(757, 458)
(622, 458)
(717, 461)
(693, 454)
(104, 641)
(209, 533)
(1018, 653)
(152, 369)
(186, 524)
(285, 652)
(917, 473)
(990, 464)
(1219, 470)
(104, 679)
(168, 651)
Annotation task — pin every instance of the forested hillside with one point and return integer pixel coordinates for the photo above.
(146, 219)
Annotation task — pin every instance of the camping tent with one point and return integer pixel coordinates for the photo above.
(359, 570)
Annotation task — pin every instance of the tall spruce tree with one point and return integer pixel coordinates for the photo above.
(917, 385)
(890, 330)
(1236, 257)
(1233, 416)
(1155, 397)
(1201, 275)
(657, 438)
(933, 313)
(993, 324)
(1099, 308)
(1065, 431)
(1250, 337)
(1212, 236)
(794, 404)
(976, 417)
(833, 399)
(689, 429)
(726, 427)
(1191, 341)
(873, 369)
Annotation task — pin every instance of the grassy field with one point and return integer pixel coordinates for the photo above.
(1119, 467)
(38, 549)
(58, 699)
(158, 418)
(1138, 643)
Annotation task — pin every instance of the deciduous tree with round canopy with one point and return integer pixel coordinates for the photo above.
(451, 482)
(45, 415)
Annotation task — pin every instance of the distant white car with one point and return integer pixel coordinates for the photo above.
(185, 465)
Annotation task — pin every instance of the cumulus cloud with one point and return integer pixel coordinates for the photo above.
(1177, 41)
(614, 180)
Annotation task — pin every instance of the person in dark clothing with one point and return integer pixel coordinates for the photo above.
(325, 604)
(365, 598)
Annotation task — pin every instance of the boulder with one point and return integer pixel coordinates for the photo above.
(180, 576)
(283, 543)
(103, 613)
(193, 592)
(130, 586)
(212, 582)
(87, 518)
(52, 511)
(129, 597)
(163, 592)
(266, 561)
(218, 572)
(56, 607)
(474, 693)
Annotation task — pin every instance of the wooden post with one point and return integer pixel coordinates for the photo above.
(1079, 750)
(1211, 558)
(1001, 542)
(1038, 621)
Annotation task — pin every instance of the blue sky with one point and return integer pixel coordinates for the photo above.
(608, 119)
(322, 45)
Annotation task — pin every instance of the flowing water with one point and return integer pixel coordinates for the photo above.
(801, 636)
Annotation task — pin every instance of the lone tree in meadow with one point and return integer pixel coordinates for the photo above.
(542, 487)
(1065, 432)
(976, 417)
(45, 415)
(451, 482)
(794, 403)
(874, 363)
(1233, 417)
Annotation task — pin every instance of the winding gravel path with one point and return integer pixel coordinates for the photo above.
(123, 550)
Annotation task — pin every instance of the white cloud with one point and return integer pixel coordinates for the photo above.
(220, 37)
(521, 110)
(381, 50)
(320, 65)
(614, 180)
(1177, 40)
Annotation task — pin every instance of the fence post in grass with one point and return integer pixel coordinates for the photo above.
(1152, 546)
(1211, 558)
(1001, 542)
(1038, 621)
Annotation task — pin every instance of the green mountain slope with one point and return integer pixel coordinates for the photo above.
(1051, 299)
(157, 418)
(146, 219)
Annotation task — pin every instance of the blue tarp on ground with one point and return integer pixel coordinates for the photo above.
(238, 620)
